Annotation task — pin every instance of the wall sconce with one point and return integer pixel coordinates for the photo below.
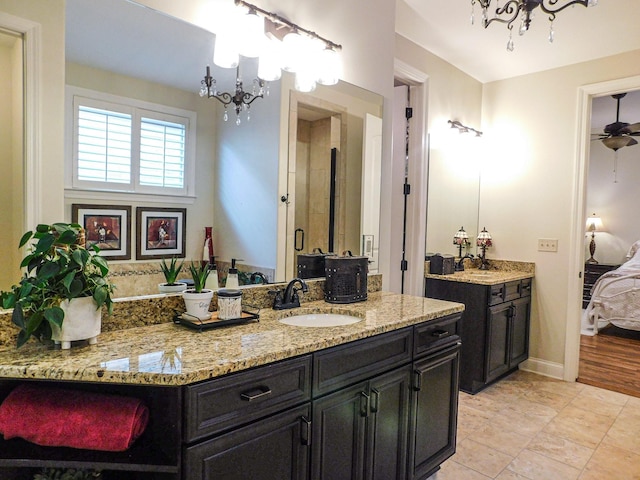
(594, 224)
(484, 242)
(279, 45)
(463, 128)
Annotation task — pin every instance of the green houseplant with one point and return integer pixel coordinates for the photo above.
(58, 269)
(197, 300)
(171, 272)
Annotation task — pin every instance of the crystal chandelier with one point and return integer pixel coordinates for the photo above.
(279, 44)
(523, 9)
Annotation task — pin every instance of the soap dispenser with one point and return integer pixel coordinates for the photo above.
(212, 279)
(232, 277)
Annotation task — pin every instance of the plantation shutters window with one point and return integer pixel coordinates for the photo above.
(126, 148)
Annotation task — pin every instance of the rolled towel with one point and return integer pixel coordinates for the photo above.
(59, 417)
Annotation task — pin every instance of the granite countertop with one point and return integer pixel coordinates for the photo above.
(483, 277)
(169, 355)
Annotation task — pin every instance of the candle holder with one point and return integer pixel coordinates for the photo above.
(484, 242)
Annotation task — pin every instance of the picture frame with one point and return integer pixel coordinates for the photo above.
(106, 226)
(160, 232)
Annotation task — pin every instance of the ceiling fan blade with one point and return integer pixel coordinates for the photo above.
(633, 128)
(615, 143)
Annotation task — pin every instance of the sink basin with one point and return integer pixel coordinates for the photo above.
(320, 320)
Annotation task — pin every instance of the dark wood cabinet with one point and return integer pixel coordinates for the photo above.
(433, 412)
(494, 327)
(592, 272)
(276, 448)
(354, 411)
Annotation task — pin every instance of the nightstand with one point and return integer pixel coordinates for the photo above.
(592, 272)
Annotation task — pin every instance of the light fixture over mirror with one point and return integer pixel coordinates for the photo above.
(279, 45)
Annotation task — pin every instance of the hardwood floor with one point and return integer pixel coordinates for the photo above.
(610, 362)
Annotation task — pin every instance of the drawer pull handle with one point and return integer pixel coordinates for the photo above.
(375, 400)
(440, 333)
(255, 394)
(306, 430)
(417, 380)
(364, 404)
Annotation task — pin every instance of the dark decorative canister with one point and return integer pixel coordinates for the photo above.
(346, 279)
(311, 265)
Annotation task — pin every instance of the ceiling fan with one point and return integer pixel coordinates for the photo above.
(619, 134)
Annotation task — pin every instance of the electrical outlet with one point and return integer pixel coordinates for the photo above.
(547, 244)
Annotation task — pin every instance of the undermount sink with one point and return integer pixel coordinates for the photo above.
(320, 320)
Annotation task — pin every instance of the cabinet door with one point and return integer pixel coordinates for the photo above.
(432, 429)
(520, 331)
(387, 425)
(339, 420)
(275, 448)
(497, 353)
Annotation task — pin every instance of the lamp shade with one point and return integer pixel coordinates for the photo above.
(484, 238)
(461, 237)
(594, 224)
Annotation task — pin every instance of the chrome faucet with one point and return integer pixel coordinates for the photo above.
(460, 265)
(290, 298)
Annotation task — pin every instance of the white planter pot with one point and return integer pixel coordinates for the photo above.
(197, 304)
(176, 288)
(82, 321)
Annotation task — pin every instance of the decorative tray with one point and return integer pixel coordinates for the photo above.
(213, 322)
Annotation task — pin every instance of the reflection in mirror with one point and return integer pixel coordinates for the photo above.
(454, 189)
(242, 170)
(11, 155)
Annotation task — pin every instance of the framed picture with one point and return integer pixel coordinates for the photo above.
(160, 232)
(106, 226)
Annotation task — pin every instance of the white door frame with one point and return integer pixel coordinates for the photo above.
(418, 178)
(580, 176)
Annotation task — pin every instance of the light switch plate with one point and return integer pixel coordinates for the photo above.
(547, 244)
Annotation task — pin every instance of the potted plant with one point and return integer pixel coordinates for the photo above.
(63, 289)
(198, 299)
(171, 272)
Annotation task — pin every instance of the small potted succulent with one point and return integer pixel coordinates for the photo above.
(197, 300)
(63, 289)
(171, 272)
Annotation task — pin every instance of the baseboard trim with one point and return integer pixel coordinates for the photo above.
(543, 367)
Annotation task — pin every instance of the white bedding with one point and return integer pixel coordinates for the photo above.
(615, 297)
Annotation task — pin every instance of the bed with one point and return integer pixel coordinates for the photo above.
(615, 297)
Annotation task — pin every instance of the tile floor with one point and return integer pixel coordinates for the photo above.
(530, 427)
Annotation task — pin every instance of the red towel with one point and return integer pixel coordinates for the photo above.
(58, 417)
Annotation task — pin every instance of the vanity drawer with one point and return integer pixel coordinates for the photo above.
(525, 287)
(344, 365)
(511, 291)
(239, 398)
(434, 336)
(497, 294)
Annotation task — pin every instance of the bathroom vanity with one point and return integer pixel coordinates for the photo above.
(495, 324)
(375, 399)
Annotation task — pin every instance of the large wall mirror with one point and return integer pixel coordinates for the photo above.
(454, 189)
(253, 167)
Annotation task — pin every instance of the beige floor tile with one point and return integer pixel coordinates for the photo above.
(481, 403)
(593, 404)
(522, 423)
(609, 463)
(625, 433)
(579, 433)
(452, 470)
(604, 395)
(588, 418)
(481, 458)
(539, 467)
(498, 438)
(561, 449)
(509, 475)
(554, 400)
(563, 388)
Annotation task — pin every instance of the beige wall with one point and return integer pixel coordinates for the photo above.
(50, 64)
(527, 186)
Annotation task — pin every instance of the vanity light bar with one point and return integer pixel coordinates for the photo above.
(292, 26)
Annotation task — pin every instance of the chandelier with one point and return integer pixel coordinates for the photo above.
(513, 10)
(279, 44)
